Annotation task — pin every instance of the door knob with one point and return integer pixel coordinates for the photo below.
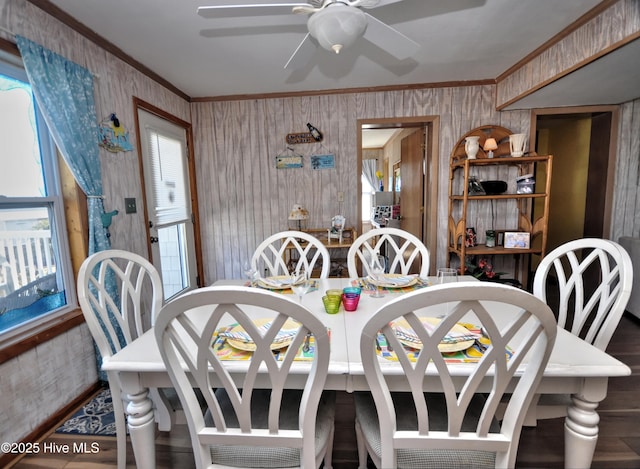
(153, 239)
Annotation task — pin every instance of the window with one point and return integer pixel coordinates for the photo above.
(35, 277)
(367, 199)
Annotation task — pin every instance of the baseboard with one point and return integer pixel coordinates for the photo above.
(49, 425)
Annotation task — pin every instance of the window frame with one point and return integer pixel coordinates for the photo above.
(47, 326)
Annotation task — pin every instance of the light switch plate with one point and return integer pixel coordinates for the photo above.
(130, 205)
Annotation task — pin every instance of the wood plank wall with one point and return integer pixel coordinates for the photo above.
(626, 201)
(613, 27)
(244, 198)
(38, 383)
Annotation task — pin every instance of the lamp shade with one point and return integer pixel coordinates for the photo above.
(490, 144)
(298, 212)
(337, 26)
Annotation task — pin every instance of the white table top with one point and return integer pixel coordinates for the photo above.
(571, 357)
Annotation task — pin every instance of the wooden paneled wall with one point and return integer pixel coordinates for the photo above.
(38, 383)
(611, 28)
(244, 198)
(626, 200)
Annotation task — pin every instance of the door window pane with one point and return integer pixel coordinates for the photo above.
(175, 271)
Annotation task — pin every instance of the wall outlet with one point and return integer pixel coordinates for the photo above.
(340, 196)
(130, 205)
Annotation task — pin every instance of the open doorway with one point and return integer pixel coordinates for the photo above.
(582, 143)
(408, 172)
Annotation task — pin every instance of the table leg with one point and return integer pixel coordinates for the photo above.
(140, 421)
(580, 432)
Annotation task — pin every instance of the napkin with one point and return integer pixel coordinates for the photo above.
(394, 280)
(452, 337)
(240, 335)
(276, 281)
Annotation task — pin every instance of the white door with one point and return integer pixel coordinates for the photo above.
(166, 176)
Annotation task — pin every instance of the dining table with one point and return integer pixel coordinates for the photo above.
(575, 367)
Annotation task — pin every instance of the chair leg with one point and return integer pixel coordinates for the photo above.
(362, 447)
(328, 455)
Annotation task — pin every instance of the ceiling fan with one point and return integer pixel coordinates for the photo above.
(333, 24)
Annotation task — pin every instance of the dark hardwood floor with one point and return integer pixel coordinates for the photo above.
(540, 447)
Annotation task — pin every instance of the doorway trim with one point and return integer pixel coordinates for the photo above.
(150, 108)
(431, 125)
(613, 145)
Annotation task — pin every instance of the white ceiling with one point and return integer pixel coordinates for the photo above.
(377, 138)
(460, 40)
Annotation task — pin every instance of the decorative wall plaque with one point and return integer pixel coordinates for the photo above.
(303, 137)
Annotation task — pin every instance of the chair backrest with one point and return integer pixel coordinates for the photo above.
(401, 248)
(120, 294)
(531, 320)
(186, 348)
(591, 281)
(275, 253)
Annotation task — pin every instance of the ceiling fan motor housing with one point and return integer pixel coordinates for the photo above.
(337, 26)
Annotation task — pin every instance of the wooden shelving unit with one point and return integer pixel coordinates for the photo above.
(521, 209)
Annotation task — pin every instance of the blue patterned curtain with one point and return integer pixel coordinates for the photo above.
(64, 92)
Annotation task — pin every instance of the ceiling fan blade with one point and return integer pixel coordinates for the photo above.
(230, 11)
(390, 39)
(377, 3)
(303, 53)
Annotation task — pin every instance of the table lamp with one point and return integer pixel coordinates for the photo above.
(300, 215)
(490, 144)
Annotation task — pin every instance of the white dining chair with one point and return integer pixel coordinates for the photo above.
(247, 424)
(590, 280)
(287, 251)
(117, 316)
(454, 427)
(403, 251)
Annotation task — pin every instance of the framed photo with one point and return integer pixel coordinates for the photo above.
(516, 239)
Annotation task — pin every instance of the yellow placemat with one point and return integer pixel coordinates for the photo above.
(472, 354)
(225, 351)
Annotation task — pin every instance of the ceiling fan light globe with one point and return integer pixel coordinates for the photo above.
(337, 27)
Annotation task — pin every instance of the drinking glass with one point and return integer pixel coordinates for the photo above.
(249, 271)
(376, 272)
(300, 282)
(447, 275)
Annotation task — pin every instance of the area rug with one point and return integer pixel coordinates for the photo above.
(94, 418)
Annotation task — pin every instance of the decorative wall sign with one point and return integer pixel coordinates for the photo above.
(323, 161)
(303, 137)
(289, 159)
(113, 136)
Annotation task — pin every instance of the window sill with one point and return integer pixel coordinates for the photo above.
(40, 334)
